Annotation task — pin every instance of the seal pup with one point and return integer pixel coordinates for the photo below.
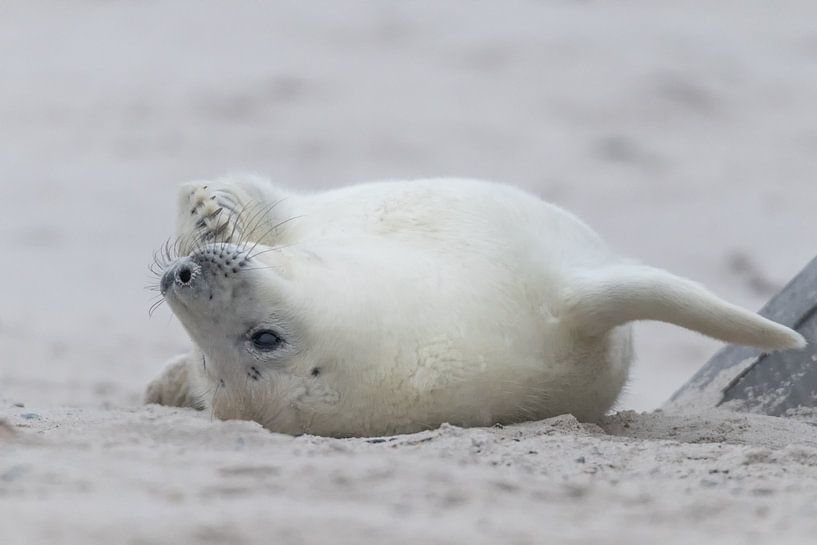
(393, 307)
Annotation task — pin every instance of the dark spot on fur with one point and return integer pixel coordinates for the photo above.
(316, 371)
(203, 360)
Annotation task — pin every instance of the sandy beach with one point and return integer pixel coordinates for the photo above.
(687, 137)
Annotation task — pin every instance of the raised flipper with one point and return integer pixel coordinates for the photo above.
(602, 299)
(240, 210)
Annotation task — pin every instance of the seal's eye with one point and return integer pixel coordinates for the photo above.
(266, 340)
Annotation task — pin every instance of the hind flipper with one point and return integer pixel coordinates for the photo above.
(602, 299)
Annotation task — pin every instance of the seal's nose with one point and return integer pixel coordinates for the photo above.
(183, 272)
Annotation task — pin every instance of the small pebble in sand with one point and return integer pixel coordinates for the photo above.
(5, 430)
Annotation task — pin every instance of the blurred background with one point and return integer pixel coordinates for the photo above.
(684, 132)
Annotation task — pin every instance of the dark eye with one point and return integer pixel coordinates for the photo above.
(266, 340)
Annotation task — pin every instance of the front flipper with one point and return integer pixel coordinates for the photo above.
(174, 386)
(240, 210)
(208, 212)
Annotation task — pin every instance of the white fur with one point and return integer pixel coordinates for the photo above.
(423, 302)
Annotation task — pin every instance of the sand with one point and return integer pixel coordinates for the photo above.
(159, 475)
(686, 136)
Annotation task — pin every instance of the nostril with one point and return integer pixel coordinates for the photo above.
(184, 274)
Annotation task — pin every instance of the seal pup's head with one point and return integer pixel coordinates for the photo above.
(236, 308)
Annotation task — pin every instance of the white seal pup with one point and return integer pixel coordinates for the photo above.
(393, 307)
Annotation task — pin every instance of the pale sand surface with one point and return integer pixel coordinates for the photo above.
(157, 475)
(685, 134)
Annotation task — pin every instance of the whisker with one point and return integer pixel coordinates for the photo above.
(262, 252)
(235, 221)
(219, 386)
(272, 229)
(261, 215)
(272, 249)
(256, 268)
(155, 306)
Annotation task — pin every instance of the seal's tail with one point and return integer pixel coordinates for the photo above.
(602, 299)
